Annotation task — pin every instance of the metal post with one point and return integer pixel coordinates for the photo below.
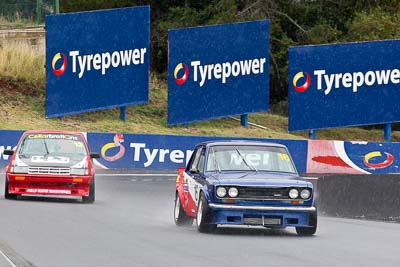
(57, 5)
(387, 132)
(312, 134)
(122, 113)
(244, 120)
(39, 11)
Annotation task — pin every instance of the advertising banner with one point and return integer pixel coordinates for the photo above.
(344, 85)
(218, 71)
(97, 60)
(146, 151)
(168, 152)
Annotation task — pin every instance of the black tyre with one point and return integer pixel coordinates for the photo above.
(92, 193)
(180, 216)
(7, 195)
(204, 218)
(308, 231)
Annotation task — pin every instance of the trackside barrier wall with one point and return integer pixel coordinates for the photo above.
(168, 152)
(360, 196)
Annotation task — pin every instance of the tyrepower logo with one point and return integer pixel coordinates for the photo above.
(352, 80)
(99, 61)
(304, 86)
(185, 75)
(219, 71)
(59, 71)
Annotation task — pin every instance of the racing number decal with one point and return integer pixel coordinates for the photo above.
(284, 156)
(196, 192)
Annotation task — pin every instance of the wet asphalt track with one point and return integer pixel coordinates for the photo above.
(131, 224)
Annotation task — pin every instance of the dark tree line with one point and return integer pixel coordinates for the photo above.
(293, 22)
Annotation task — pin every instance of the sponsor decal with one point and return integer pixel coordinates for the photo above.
(183, 79)
(99, 61)
(326, 82)
(50, 159)
(220, 71)
(48, 191)
(386, 163)
(60, 71)
(53, 136)
(302, 88)
(158, 155)
(118, 140)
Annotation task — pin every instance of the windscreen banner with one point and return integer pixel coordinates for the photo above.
(343, 85)
(97, 60)
(218, 71)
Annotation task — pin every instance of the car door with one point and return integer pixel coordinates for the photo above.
(194, 172)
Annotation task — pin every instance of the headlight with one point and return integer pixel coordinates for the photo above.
(233, 192)
(305, 194)
(80, 168)
(19, 169)
(221, 191)
(83, 171)
(293, 193)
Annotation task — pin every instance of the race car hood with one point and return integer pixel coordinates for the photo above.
(50, 161)
(258, 179)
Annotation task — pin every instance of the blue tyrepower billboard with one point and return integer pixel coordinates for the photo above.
(218, 71)
(344, 85)
(97, 60)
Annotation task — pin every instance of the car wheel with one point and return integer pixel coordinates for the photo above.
(203, 218)
(308, 231)
(7, 195)
(180, 216)
(91, 197)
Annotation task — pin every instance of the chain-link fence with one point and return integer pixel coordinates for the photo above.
(26, 11)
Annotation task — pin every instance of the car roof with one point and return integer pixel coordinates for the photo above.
(241, 143)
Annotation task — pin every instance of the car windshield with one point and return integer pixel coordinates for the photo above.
(249, 158)
(52, 145)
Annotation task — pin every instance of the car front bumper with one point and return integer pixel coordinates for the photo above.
(269, 216)
(64, 185)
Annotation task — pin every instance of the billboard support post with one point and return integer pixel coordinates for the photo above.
(57, 6)
(122, 113)
(312, 134)
(39, 11)
(387, 131)
(244, 120)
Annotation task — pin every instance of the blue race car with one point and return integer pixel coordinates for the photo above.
(244, 183)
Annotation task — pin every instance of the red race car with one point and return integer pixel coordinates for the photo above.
(51, 163)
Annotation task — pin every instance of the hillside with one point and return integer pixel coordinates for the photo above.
(23, 108)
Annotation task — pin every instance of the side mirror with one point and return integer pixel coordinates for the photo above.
(9, 152)
(95, 155)
(193, 171)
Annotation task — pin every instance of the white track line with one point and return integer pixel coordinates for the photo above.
(7, 259)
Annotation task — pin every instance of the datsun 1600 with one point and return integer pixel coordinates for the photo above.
(244, 183)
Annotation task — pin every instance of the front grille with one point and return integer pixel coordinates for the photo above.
(49, 170)
(266, 193)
